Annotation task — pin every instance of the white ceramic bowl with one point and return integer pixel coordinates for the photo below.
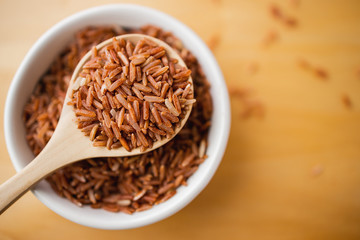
(38, 60)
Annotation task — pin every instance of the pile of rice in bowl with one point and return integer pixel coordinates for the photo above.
(126, 184)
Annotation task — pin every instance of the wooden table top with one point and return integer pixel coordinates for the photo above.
(292, 166)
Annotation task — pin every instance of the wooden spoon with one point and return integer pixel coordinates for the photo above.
(68, 144)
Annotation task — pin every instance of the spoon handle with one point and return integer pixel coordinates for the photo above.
(57, 153)
(21, 182)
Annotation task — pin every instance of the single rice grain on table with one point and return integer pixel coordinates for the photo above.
(126, 184)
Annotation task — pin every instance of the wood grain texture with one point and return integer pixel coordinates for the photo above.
(292, 174)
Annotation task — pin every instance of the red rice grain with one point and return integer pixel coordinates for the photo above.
(346, 101)
(115, 184)
(279, 15)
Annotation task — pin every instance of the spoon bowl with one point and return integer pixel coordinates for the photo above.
(68, 144)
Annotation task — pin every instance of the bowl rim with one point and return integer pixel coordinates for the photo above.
(10, 139)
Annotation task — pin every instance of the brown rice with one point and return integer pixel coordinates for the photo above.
(116, 88)
(126, 184)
